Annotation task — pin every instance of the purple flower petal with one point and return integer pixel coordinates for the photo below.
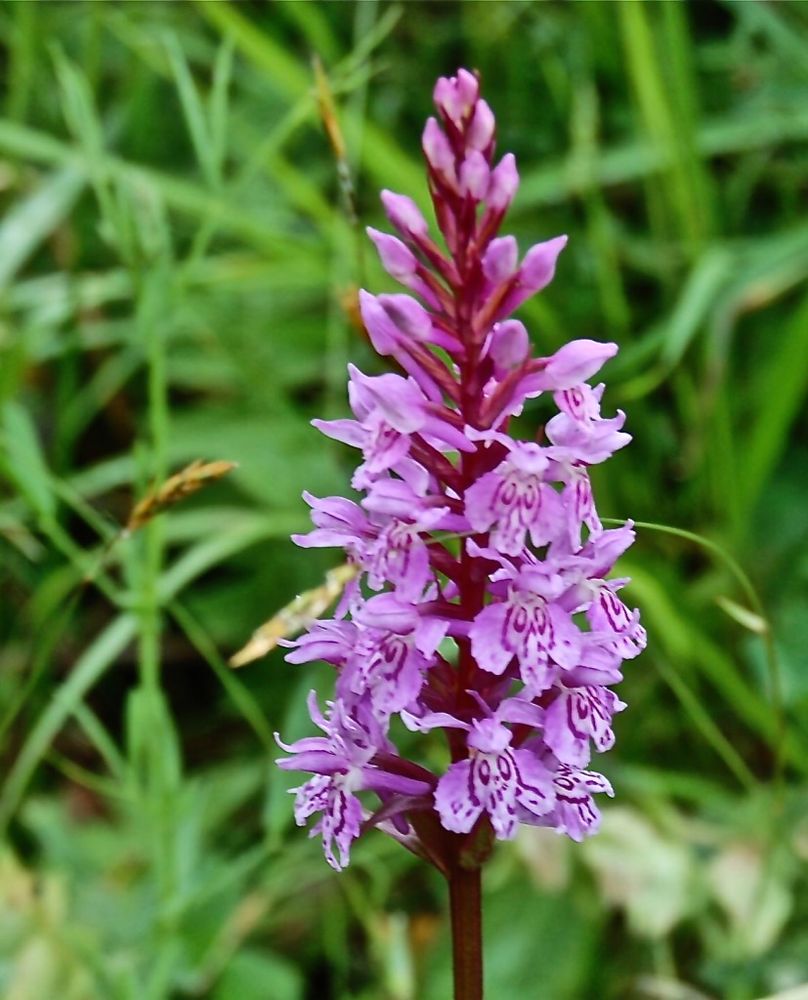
(456, 800)
(535, 791)
(487, 644)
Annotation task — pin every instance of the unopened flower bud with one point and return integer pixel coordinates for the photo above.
(474, 175)
(503, 183)
(455, 95)
(575, 362)
(501, 259)
(510, 344)
(538, 267)
(408, 315)
(404, 214)
(382, 331)
(438, 152)
(396, 257)
(481, 129)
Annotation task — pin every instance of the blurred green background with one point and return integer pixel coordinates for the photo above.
(176, 277)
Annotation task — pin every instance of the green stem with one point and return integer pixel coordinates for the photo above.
(467, 943)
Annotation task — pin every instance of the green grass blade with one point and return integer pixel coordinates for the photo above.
(28, 223)
(89, 667)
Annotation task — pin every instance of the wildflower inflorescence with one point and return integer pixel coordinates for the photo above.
(482, 605)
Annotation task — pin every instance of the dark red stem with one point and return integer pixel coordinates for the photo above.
(467, 937)
(465, 882)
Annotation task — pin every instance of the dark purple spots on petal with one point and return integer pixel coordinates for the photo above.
(576, 712)
(575, 402)
(338, 809)
(400, 541)
(394, 651)
(474, 798)
(583, 498)
(583, 805)
(517, 618)
(526, 622)
(506, 492)
(604, 740)
(615, 611)
(530, 498)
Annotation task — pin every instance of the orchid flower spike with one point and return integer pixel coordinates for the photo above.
(483, 607)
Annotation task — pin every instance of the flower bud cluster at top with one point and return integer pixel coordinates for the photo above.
(482, 606)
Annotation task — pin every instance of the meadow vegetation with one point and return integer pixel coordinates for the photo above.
(178, 277)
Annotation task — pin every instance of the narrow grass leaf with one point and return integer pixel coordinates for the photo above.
(388, 164)
(30, 221)
(239, 694)
(698, 297)
(23, 461)
(89, 667)
(731, 134)
(781, 393)
(743, 616)
(28, 143)
(706, 725)
(194, 112)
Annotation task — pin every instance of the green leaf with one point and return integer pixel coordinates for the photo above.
(89, 667)
(782, 390)
(30, 221)
(258, 975)
(23, 461)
